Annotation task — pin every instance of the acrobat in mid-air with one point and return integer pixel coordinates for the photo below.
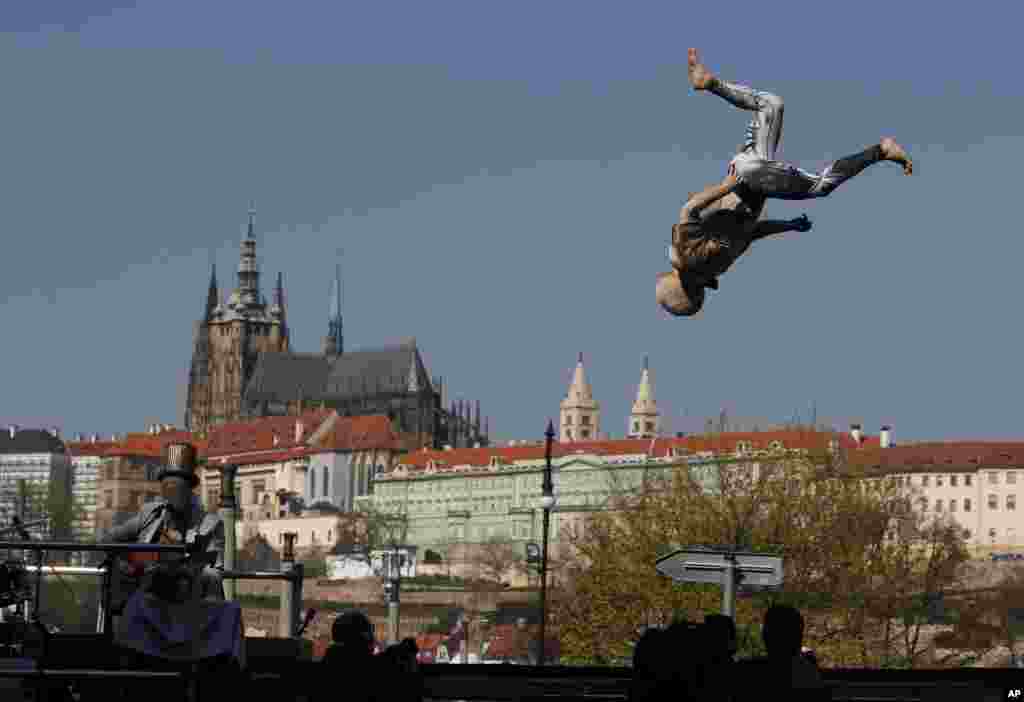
(719, 223)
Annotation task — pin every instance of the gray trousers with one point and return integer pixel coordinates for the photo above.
(760, 173)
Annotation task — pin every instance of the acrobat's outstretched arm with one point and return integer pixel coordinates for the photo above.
(692, 209)
(768, 227)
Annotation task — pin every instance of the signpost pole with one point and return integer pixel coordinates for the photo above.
(722, 567)
(729, 585)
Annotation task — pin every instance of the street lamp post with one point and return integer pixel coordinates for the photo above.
(392, 585)
(547, 501)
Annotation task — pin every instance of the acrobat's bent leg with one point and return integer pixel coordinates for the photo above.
(783, 181)
(765, 129)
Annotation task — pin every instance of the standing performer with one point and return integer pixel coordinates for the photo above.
(178, 612)
(718, 224)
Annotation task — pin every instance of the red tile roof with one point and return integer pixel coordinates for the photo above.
(967, 455)
(358, 433)
(660, 447)
(252, 441)
(264, 457)
(89, 448)
(141, 444)
(258, 434)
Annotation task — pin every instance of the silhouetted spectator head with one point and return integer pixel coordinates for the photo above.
(402, 655)
(683, 636)
(647, 653)
(651, 666)
(353, 629)
(720, 635)
(783, 630)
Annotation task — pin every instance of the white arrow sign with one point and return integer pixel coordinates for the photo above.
(721, 567)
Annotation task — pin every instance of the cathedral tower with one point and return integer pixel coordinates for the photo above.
(228, 340)
(580, 418)
(334, 342)
(644, 419)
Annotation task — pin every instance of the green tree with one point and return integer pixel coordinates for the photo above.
(842, 530)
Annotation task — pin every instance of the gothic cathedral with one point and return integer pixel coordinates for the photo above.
(243, 367)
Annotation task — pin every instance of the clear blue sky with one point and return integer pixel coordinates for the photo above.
(502, 178)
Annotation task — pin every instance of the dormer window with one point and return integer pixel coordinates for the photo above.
(775, 446)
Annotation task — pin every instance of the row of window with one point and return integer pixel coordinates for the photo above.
(993, 503)
(223, 330)
(584, 420)
(954, 480)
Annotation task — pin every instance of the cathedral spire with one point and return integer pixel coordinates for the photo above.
(250, 232)
(580, 416)
(212, 296)
(279, 295)
(248, 271)
(644, 417)
(334, 342)
(334, 326)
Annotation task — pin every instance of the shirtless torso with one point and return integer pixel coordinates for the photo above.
(716, 226)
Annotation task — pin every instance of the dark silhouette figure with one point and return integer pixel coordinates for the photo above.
(402, 672)
(667, 664)
(648, 665)
(719, 653)
(785, 669)
(721, 638)
(350, 662)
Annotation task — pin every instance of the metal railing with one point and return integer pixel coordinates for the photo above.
(291, 680)
(292, 574)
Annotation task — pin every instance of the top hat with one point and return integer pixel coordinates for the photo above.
(180, 462)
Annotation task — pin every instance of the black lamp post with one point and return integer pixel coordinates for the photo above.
(547, 501)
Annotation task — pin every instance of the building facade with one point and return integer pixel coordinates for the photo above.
(86, 460)
(243, 366)
(457, 501)
(33, 463)
(298, 473)
(974, 485)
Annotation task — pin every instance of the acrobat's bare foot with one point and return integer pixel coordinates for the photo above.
(891, 151)
(700, 77)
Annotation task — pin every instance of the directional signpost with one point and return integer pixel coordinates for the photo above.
(722, 567)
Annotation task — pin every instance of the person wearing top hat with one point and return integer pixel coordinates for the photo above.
(178, 612)
(177, 517)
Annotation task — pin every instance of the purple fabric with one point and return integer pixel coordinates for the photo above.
(190, 631)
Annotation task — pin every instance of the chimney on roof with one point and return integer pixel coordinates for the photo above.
(885, 436)
(13, 429)
(476, 445)
(856, 434)
(56, 432)
(299, 431)
(94, 438)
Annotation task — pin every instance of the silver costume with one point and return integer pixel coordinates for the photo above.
(758, 170)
